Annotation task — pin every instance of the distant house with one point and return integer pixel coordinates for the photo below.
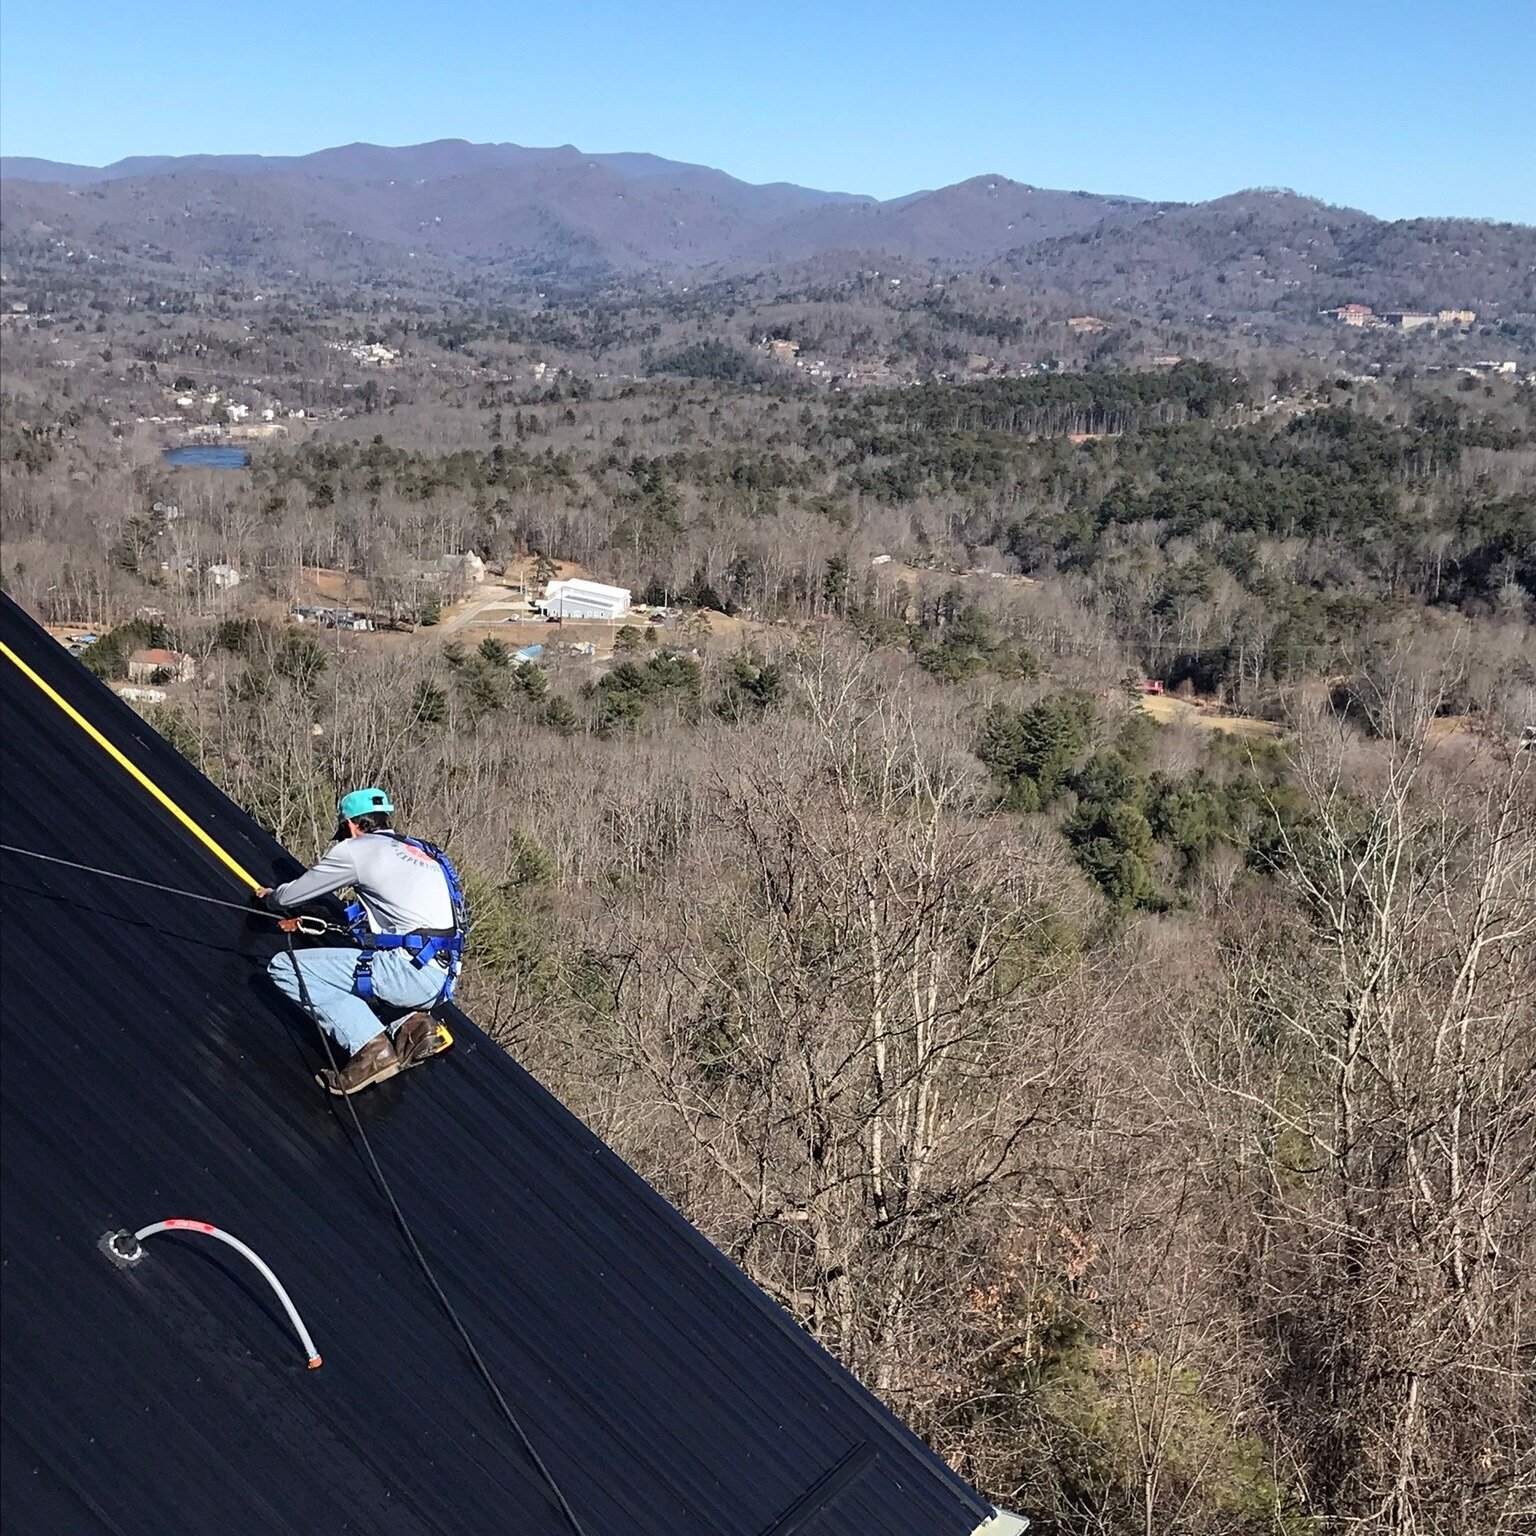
(1408, 319)
(1086, 325)
(1151, 685)
(577, 599)
(1462, 319)
(223, 576)
(1353, 314)
(469, 566)
(146, 666)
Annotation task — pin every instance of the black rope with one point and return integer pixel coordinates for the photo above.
(421, 1260)
(313, 926)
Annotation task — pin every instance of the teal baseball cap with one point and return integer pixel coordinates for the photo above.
(361, 802)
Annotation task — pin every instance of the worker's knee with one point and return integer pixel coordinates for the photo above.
(324, 970)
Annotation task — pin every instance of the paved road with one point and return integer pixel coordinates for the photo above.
(497, 594)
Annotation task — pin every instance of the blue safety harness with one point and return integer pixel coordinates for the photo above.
(425, 946)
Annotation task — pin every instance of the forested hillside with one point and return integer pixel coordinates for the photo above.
(1272, 251)
(501, 213)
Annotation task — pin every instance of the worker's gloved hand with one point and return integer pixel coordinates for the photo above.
(262, 897)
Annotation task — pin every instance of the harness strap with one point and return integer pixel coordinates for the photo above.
(424, 946)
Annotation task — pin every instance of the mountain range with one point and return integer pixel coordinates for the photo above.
(565, 215)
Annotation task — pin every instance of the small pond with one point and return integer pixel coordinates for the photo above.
(207, 456)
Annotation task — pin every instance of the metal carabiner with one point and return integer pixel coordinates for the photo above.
(310, 926)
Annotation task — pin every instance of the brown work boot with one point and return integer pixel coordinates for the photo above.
(370, 1064)
(419, 1037)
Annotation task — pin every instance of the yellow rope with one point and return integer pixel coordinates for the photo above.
(225, 858)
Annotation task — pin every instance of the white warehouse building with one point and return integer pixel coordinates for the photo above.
(577, 599)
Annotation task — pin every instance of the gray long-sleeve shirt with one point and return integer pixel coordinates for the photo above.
(401, 888)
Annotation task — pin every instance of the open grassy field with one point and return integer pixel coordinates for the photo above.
(1168, 710)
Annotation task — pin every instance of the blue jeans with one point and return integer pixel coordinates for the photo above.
(347, 1018)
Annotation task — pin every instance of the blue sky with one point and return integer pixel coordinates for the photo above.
(1417, 107)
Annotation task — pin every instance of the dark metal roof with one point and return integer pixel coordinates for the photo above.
(150, 1071)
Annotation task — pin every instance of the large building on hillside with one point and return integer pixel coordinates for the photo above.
(577, 599)
(1408, 319)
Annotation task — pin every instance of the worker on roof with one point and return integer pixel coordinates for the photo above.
(408, 921)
